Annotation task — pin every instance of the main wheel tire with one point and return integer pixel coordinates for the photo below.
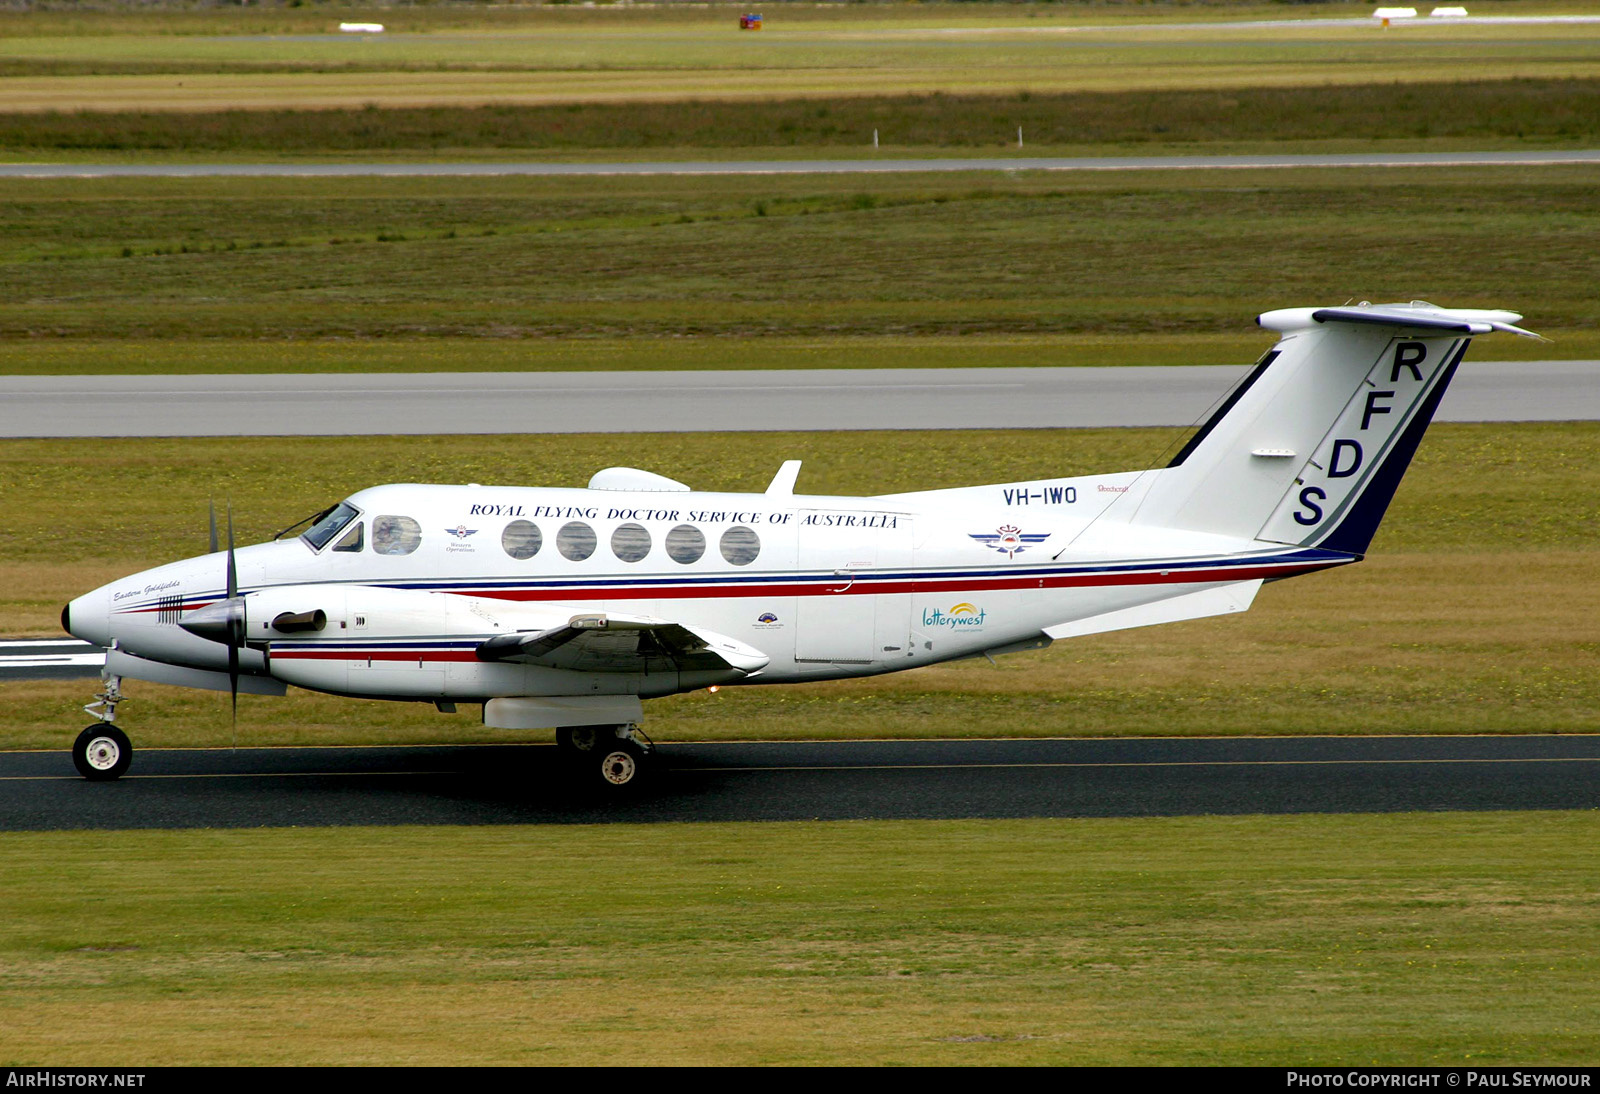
(102, 752)
(621, 765)
(583, 740)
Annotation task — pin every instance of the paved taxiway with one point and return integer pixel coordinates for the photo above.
(609, 402)
(520, 784)
(808, 167)
(49, 659)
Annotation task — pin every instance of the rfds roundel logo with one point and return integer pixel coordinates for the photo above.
(461, 532)
(1010, 540)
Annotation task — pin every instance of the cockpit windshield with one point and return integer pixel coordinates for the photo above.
(327, 524)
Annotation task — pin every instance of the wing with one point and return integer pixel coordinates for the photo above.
(614, 643)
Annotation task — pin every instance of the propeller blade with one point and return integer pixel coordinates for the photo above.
(233, 571)
(236, 628)
(211, 511)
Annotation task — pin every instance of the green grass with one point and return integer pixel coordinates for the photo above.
(1424, 940)
(529, 260)
(179, 18)
(851, 49)
(1474, 613)
(1480, 113)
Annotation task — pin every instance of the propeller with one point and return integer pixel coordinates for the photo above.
(223, 620)
(235, 625)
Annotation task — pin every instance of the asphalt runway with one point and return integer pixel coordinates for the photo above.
(49, 659)
(629, 402)
(806, 167)
(526, 784)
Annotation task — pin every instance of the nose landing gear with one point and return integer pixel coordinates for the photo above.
(102, 751)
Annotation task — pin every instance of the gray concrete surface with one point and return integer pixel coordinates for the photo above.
(526, 784)
(602, 402)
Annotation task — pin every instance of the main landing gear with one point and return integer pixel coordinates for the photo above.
(102, 751)
(613, 759)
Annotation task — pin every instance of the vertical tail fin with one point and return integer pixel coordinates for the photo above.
(1311, 446)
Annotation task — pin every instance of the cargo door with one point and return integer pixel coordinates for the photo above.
(850, 613)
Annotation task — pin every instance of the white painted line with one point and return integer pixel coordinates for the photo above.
(88, 660)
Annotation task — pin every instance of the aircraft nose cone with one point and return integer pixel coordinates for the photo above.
(89, 618)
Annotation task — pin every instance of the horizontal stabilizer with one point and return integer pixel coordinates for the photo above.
(1418, 316)
(612, 643)
(1222, 600)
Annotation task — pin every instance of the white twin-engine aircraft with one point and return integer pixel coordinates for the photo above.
(565, 608)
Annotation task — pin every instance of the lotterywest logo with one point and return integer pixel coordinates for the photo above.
(961, 615)
(1010, 540)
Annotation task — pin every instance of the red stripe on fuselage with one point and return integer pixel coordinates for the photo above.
(868, 586)
(865, 584)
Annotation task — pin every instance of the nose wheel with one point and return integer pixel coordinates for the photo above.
(102, 752)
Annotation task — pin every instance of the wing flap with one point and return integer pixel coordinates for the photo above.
(633, 644)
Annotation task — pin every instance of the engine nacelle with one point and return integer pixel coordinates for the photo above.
(407, 644)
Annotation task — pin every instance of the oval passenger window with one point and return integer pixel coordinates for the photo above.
(522, 539)
(686, 544)
(576, 541)
(630, 542)
(740, 545)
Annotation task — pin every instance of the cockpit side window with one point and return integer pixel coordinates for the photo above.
(330, 524)
(395, 535)
(352, 540)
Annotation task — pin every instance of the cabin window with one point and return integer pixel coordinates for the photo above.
(630, 542)
(327, 524)
(686, 544)
(576, 541)
(522, 539)
(395, 535)
(740, 545)
(352, 540)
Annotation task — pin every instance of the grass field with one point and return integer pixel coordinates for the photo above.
(1474, 613)
(1469, 113)
(125, 275)
(854, 49)
(1394, 940)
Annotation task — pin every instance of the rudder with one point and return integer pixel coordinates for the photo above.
(1311, 447)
